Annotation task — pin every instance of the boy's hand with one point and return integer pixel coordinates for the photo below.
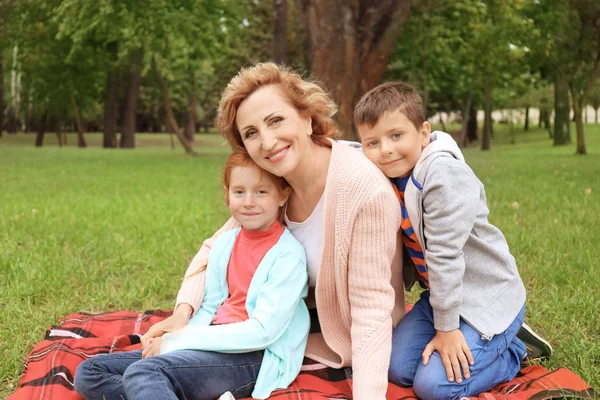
(454, 351)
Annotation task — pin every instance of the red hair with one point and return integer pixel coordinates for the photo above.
(241, 158)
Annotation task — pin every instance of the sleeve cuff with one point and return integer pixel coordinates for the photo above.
(446, 320)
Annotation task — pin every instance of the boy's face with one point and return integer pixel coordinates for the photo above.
(394, 144)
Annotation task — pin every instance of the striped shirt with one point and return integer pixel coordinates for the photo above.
(409, 237)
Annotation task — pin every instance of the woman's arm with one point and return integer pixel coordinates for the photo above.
(192, 288)
(191, 292)
(276, 304)
(371, 255)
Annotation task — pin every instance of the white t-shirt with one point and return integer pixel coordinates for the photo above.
(310, 234)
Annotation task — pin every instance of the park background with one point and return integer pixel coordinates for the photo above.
(110, 163)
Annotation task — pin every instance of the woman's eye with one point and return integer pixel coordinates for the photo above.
(249, 133)
(276, 120)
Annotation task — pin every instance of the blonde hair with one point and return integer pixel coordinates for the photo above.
(307, 97)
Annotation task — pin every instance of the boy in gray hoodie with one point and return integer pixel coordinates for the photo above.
(460, 338)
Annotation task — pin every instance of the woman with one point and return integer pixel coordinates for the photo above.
(342, 209)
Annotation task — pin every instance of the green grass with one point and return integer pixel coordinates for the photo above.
(107, 229)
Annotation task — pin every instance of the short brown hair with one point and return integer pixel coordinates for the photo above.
(309, 99)
(389, 97)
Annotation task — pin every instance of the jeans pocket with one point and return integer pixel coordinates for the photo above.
(245, 390)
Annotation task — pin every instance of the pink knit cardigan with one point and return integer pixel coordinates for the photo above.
(359, 291)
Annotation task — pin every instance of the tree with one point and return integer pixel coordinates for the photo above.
(134, 78)
(349, 46)
(571, 45)
(594, 100)
(469, 52)
(280, 31)
(587, 62)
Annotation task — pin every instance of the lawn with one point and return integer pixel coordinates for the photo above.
(109, 229)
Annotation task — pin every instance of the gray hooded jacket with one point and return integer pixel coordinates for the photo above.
(471, 271)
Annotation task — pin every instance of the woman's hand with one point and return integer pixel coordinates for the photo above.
(153, 348)
(454, 351)
(179, 319)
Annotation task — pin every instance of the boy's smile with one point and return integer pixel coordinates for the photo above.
(394, 144)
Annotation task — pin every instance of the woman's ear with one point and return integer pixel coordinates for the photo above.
(309, 129)
(284, 196)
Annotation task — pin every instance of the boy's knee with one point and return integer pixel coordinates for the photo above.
(400, 375)
(431, 383)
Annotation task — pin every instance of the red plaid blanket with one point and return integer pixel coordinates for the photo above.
(49, 368)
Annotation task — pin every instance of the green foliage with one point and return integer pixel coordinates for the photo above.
(452, 49)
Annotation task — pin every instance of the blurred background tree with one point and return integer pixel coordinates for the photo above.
(136, 66)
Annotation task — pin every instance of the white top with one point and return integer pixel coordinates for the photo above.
(310, 234)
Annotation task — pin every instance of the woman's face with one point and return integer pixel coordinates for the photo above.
(275, 135)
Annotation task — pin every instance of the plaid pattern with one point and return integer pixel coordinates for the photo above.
(49, 368)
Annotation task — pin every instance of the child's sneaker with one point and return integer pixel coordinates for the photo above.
(537, 347)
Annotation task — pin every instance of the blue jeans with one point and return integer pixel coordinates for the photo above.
(185, 374)
(497, 360)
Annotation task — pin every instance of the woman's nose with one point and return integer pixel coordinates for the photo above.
(268, 140)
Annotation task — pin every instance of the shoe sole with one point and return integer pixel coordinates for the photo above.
(538, 337)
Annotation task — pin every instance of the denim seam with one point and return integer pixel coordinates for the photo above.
(103, 376)
(169, 367)
(243, 387)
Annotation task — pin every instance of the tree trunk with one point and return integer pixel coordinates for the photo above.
(190, 119)
(80, 138)
(59, 136)
(1, 75)
(39, 138)
(541, 117)
(487, 119)
(597, 115)
(465, 122)
(547, 124)
(443, 123)
(349, 47)
(562, 128)
(111, 100)
(526, 118)
(578, 104)
(171, 121)
(580, 133)
(472, 124)
(131, 100)
(280, 31)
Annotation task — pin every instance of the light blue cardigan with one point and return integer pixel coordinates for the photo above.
(278, 318)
